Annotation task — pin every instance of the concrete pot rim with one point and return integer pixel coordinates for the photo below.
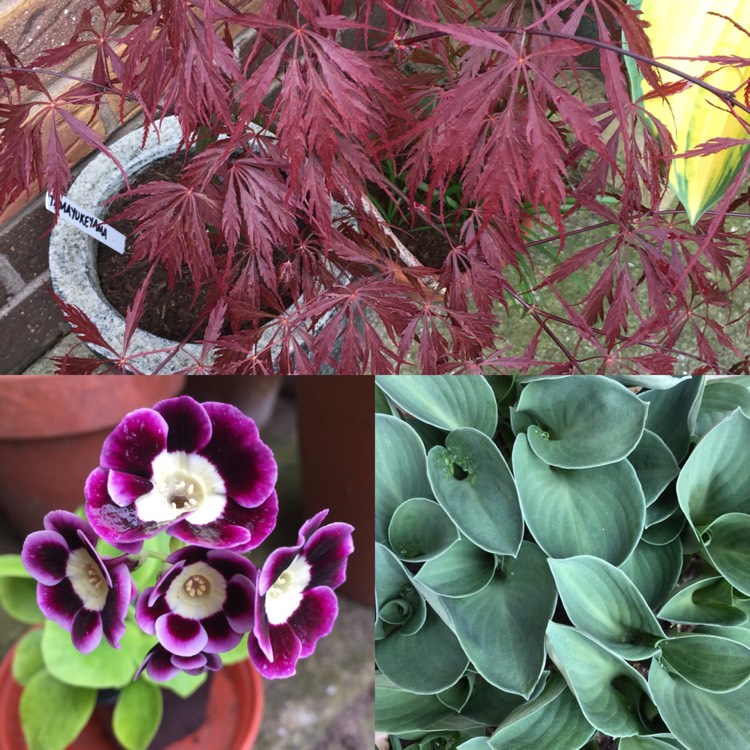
(72, 254)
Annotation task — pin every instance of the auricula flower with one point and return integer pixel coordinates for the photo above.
(203, 603)
(295, 604)
(161, 665)
(78, 589)
(198, 471)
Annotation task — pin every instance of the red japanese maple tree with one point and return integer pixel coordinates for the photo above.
(480, 100)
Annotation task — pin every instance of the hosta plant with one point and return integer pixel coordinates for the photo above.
(152, 584)
(562, 562)
(489, 117)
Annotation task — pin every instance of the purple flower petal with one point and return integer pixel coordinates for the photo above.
(217, 534)
(286, 652)
(229, 563)
(94, 555)
(45, 555)
(59, 603)
(146, 615)
(239, 606)
(314, 618)
(135, 442)
(179, 635)
(221, 636)
(188, 423)
(124, 489)
(68, 525)
(326, 551)
(163, 584)
(261, 632)
(260, 521)
(245, 463)
(197, 661)
(276, 563)
(86, 632)
(310, 526)
(116, 607)
(158, 664)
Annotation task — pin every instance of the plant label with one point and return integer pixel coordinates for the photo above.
(87, 222)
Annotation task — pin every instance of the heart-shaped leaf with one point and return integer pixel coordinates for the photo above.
(461, 570)
(420, 530)
(608, 689)
(553, 719)
(501, 628)
(444, 401)
(137, 715)
(599, 511)
(581, 422)
(400, 470)
(472, 482)
(604, 603)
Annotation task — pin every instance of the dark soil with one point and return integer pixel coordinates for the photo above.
(171, 313)
(605, 743)
(428, 246)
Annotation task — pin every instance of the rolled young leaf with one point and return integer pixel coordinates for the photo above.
(420, 530)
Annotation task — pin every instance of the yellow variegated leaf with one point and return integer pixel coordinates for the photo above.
(694, 115)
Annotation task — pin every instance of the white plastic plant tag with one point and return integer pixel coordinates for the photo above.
(87, 222)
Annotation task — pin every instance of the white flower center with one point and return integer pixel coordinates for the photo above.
(198, 591)
(183, 484)
(283, 598)
(87, 579)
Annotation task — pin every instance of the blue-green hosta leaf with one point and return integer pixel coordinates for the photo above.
(654, 742)
(553, 719)
(420, 530)
(457, 695)
(472, 482)
(664, 507)
(445, 401)
(461, 570)
(398, 711)
(708, 601)
(487, 704)
(400, 469)
(733, 632)
(654, 464)
(581, 422)
(654, 569)
(716, 476)
(608, 689)
(604, 603)
(708, 662)
(599, 511)
(426, 662)
(727, 542)
(672, 413)
(501, 628)
(382, 405)
(398, 604)
(719, 400)
(698, 718)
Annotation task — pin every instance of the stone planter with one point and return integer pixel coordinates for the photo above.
(72, 254)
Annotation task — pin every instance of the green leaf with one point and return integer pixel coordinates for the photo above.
(650, 743)
(672, 413)
(720, 399)
(420, 530)
(697, 718)
(104, 667)
(608, 689)
(666, 531)
(654, 465)
(604, 603)
(716, 476)
(424, 662)
(18, 599)
(599, 511)
(398, 711)
(53, 713)
(398, 603)
(27, 659)
(461, 570)
(473, 484)
(707, 601)
(654, 569)
(400, 470)
(708, 662)
(581, 422)
(12, 567)
(487, 704)
(137, 715)
(444, 401)
(382, 405)
(726, 543)
(553, 719)
(501, 628)
(182, 684)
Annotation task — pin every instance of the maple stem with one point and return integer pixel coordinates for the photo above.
(725, 96)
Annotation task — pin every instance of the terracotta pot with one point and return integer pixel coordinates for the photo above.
(51, 434)
(232, 721)
(336, 420)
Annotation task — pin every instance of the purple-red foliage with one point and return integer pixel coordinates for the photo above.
(454, 93)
